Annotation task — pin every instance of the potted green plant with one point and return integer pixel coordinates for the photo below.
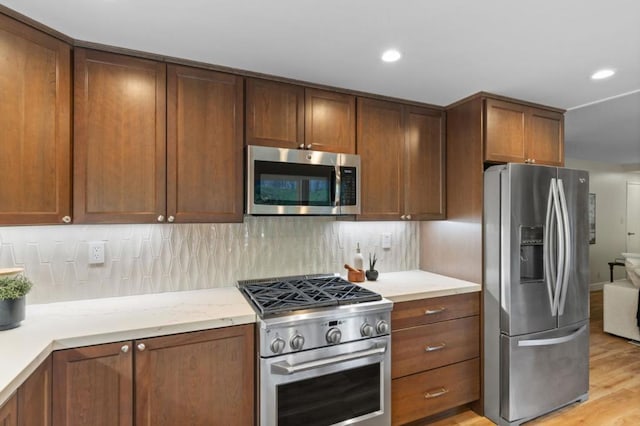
(371, 273)
(13, 288)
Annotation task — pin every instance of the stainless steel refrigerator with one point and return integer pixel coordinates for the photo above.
(536, 295)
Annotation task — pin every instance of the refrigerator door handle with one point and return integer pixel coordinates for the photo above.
(553, 341)
(567, 247)
(549, 268)
(560, 250)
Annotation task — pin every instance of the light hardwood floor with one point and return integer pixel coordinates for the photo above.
(614, 385)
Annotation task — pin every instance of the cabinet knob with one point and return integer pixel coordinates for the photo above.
(309, 146)
(408, 217)
(141, 347)
(160, 218)
(170, 219)
(124, 349)
(533, 161)
(66, 219)
(403, 217)
(301, 146)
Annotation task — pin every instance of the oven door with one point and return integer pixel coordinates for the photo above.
(345, 384)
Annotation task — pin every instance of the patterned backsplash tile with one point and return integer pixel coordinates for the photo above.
(153, 258)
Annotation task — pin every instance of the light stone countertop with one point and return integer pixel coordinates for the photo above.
(53, 326)
(63, 325)
(413, 285)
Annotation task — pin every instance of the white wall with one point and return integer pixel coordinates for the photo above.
(609, 183)
(144, 259)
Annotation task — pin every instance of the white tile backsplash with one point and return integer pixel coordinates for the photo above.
(141, 259)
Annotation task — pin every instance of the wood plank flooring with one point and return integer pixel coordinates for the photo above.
(614, 385)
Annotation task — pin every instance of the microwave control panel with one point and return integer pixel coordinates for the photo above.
(348, 195)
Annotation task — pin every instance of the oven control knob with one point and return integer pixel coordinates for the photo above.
(366, 330)
(333, 336)
(297, 342)
(382, 327)
(277, 345)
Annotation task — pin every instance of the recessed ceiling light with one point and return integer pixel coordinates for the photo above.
(602, 74)
(391, 55)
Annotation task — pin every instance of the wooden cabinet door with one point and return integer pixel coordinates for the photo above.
(330, 121)
(504, 139)
(545, 137)
(425, 394)
(34, 397)
(119, 138)
(274, 114)
(434, 345)
(200, 378)
(35, 118)
(92, 386)
(204, 146)
(424, 164)
(380, 143)
(9, 412)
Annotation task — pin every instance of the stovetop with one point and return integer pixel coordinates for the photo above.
(284, 294)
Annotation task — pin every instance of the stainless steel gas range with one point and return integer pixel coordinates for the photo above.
(324, 351)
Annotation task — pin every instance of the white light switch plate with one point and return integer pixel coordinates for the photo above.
(386, 241)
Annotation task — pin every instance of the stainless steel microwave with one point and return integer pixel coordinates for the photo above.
(300, 182)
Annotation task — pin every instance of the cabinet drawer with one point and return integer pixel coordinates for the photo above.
(430, 346)
(421, 395)
(427, 311)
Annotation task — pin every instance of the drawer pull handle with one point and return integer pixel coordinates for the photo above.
(435, 348)
(435, 311)
(435, 394)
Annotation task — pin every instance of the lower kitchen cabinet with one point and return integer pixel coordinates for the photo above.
(31, 404)
(9, 412)
(198, 378)
(435, 364)
(34, 397)
(93, 385)
(431, 392)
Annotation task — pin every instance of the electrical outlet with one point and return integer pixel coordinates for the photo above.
(96, 252)
(386, 241)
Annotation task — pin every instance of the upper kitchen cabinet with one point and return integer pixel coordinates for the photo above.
(520, 133)
(204, 145)
(275, 114)
(402, 153)
(289, 116)
(425, 164)
(119, 138)
(330, 121)
(381, 148)
(35, 118)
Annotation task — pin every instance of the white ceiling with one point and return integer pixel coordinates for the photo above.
(538, 50)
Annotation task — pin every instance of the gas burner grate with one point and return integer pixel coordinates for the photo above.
(279, 295)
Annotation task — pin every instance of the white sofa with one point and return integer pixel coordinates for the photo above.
(620, 308)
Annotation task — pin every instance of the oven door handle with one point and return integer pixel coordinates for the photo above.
(285, 368)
